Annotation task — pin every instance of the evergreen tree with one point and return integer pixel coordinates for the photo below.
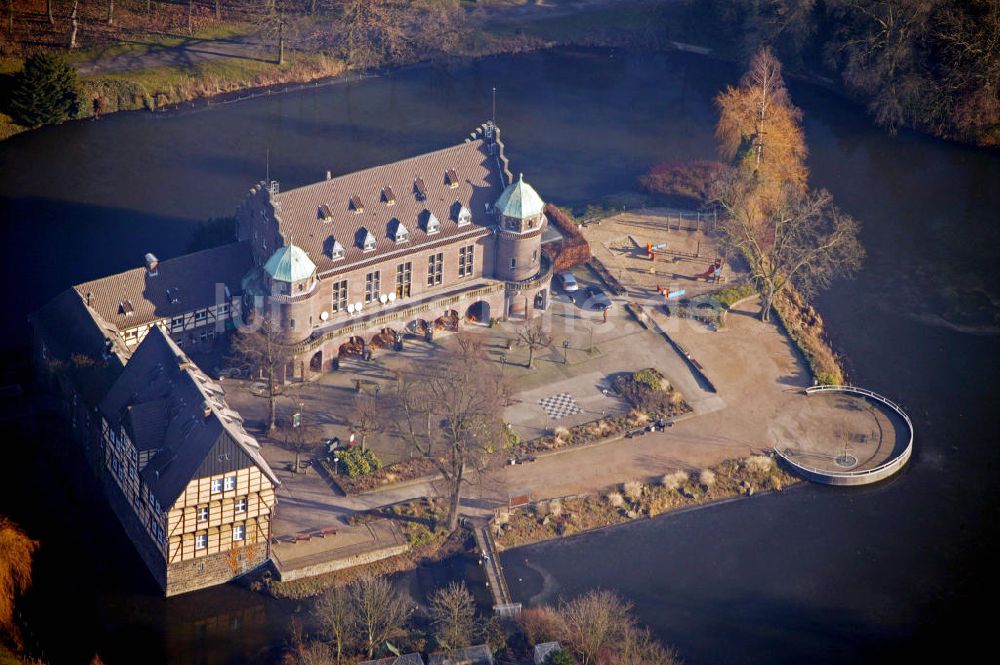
(44, 91)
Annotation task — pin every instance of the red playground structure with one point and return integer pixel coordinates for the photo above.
(714, 271)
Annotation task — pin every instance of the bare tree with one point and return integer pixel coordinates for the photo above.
(451, 414)
(365, 418)
(453, 612)
(10, 19)
(111, 12)
(533, 337)
(378, 611)
(48, 9)
(335, 613)
(638, 647)
(17, 552)
(74, 25)
(594, 622)
(272, 27)
(190, 16)
(302, 439)
(761, 130)
(262, 350)
(805, 240)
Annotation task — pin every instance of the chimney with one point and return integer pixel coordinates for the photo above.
(329, 176)
(90, 295)
(206, 408)
(151, 263)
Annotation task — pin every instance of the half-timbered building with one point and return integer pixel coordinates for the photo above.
(184, 477)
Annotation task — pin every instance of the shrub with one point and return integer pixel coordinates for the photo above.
(359, 463)
(649, 378)
(632, 489)
(675, 480)
(707, 478)
(44, 91)
(541, 624)
(555, 508)
(615, 499)
(729, 295)
(826, 379)
(561, 657)
(758, 464)
(687, 180)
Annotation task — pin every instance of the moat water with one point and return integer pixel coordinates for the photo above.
(817, 574)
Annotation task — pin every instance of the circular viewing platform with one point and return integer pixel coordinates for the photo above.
(842, 435)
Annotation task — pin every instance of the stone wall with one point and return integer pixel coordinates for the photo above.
(207, 571)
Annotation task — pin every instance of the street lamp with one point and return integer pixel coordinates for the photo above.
(503, 362)
(565, 350)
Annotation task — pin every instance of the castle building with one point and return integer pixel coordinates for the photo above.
(342, 266)
(425, 244)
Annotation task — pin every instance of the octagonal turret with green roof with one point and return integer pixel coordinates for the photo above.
(520, 201)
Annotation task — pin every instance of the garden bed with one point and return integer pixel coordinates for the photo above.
(389, 475)
(632, 500)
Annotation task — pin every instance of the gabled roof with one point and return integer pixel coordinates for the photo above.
(405, 659)
(477, 655)
(169, 405)
(182, 284)
(520, 200)
(289, 264)
(69, 328)
(480, 181)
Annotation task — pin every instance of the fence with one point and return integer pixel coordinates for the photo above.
(867, 476)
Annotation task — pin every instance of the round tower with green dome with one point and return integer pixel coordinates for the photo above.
(291, 280)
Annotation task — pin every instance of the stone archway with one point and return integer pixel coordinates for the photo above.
(316, 362)
(355, 346)
(383, 339)
(417, 327)
(447, 322)
(478, 312)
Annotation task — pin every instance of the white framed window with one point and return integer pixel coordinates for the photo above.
(200, 316)
(230, 483)
(239, 532)
(216, 484)
(203, 514)
(200, 541)
(241, 505)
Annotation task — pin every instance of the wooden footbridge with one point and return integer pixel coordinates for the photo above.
(495, 581)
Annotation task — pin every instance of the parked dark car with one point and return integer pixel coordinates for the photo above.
(597, 299)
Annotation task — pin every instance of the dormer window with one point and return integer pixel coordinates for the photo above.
(126, 308)
(419, 188)
(356, 205)
(388, 197)
(367, 239)
(336, 250)
(399, 233)
(431, 223)
(464, 216)
(325, 214)
(451, 178)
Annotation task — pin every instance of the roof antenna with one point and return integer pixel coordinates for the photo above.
(494, 105)
(267, 167)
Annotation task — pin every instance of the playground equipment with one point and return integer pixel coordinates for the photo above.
(714, 272)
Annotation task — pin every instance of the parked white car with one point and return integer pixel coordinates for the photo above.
(567, 281)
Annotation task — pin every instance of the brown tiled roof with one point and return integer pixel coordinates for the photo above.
(480, 182)
(162, 389)
(191, 280)
(68, 327)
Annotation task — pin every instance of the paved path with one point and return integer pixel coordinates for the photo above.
(188, 52)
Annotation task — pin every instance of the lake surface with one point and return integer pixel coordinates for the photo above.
(817, 574)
